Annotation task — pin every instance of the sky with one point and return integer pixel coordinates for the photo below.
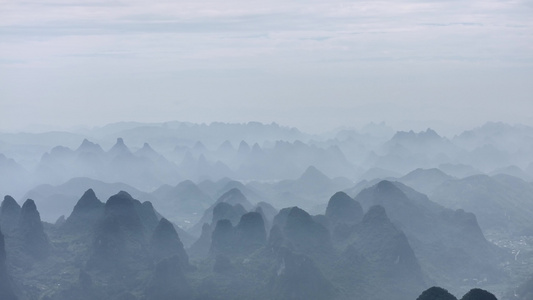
(314, 64)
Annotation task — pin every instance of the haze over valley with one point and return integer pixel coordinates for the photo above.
(276, 150)
(178, 210)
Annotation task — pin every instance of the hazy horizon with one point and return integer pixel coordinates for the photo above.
(314, 65)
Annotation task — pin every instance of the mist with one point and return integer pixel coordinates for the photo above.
(354, 213)
(280, 150)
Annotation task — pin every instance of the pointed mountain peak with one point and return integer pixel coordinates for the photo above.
(121, 208)
(199, 146)
(234, 196)
(256, 148)
(313, 174)
(386, 186)
(28, 206)
(88, 201)
(86, 213)
(429, 133)
(89, 194)
(9, 214)
(9, 204)
(120, 198)
(87, 146)
(147, 148)
(166, 242)
(119, 148)
(34, 240)
(342, 208)
(226, 145)
(244, 148)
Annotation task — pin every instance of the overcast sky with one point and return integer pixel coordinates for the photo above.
(311, 64)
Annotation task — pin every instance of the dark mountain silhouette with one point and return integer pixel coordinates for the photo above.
(478, 294)
(381, 243)
(304, 234)
(436, 234)
(377, 261)
(86, 214)
(436, 293)
(169, 282)
(59, 200)
(166, 243)
(200, 248)
(147, 214)
(9, 214)
(6, 288)
(120, 242)
(343, 209)
(297, 277)
(234, 206)
(250, 232)
(223, 239)
(30, 230)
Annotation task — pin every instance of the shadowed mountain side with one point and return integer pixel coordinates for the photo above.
(436, 293)
(501, 203)
(298, 278)
(343, 209)
(436, 234)
(6, 287)
(120, 242)
(166, 243)
(9, 215)
(478, 294)
(387, 249)
(86, 213)
(169, 282)
(31, 232)
(304, 234)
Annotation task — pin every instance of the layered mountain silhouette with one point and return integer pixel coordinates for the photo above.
(436, 234)
(500, 202)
